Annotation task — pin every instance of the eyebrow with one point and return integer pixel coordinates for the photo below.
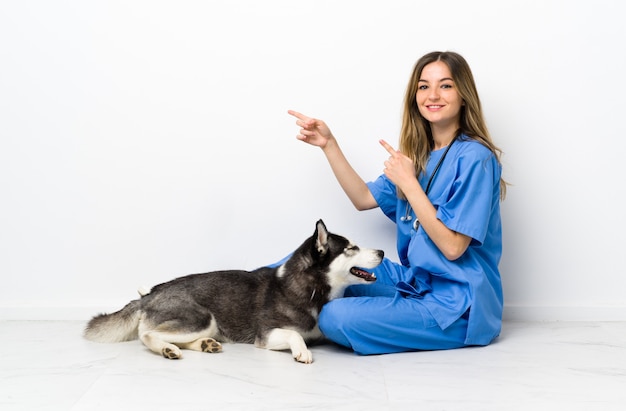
(443, 79)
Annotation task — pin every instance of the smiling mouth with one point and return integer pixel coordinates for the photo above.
(367, 276)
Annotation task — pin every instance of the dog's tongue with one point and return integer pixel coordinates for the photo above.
(358, 272)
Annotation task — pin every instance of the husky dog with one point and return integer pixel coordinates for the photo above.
(274, 308)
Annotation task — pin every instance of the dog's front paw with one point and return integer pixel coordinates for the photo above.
(172, 353)
(304, 356)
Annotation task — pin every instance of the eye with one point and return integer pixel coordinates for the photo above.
(446, 86)
(422, 87)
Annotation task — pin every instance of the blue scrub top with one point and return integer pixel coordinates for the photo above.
(466, 194)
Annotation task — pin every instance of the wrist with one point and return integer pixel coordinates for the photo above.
(331, 144)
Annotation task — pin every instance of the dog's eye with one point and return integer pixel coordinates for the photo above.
(351, 249)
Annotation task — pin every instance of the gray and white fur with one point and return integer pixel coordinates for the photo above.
(274, 308)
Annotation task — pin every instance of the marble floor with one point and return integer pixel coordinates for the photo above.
(532, 366)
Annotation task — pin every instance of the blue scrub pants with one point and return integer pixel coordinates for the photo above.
(377, 319)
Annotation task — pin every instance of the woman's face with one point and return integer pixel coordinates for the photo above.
(437, 97)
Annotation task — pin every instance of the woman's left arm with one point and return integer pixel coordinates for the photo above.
(452, 244)
(401, 171)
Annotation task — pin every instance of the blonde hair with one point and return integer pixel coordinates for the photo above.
(416, 139)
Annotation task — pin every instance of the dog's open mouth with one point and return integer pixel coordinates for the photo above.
(359, 272)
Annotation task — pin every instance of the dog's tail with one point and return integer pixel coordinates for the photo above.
(116, 327)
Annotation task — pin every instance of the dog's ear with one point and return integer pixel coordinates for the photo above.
(321, 235)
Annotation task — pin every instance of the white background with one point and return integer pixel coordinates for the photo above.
(143, 140)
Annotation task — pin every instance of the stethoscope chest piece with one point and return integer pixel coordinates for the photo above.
(416, 224)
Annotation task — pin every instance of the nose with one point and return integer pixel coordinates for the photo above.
(433, 93)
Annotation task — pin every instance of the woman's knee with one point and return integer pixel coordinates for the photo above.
(329, 317)
(331, 321)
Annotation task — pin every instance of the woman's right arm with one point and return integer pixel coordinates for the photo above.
(317, 133)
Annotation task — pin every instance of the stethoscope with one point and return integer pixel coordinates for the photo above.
(407, 217)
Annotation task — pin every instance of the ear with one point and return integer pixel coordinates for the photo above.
(321, 234)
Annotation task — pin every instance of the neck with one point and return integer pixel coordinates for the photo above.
(441, 143)
(443, 137)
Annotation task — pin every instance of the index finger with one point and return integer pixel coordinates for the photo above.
(297, 115)
(388, 147)
(307, 121)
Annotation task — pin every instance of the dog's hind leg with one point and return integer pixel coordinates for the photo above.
(202, 340)
(203, 344)
(158, 338)
(167, 340)
(282, 339)
(156, 341)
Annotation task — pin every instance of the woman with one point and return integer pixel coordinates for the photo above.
(442, 188)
